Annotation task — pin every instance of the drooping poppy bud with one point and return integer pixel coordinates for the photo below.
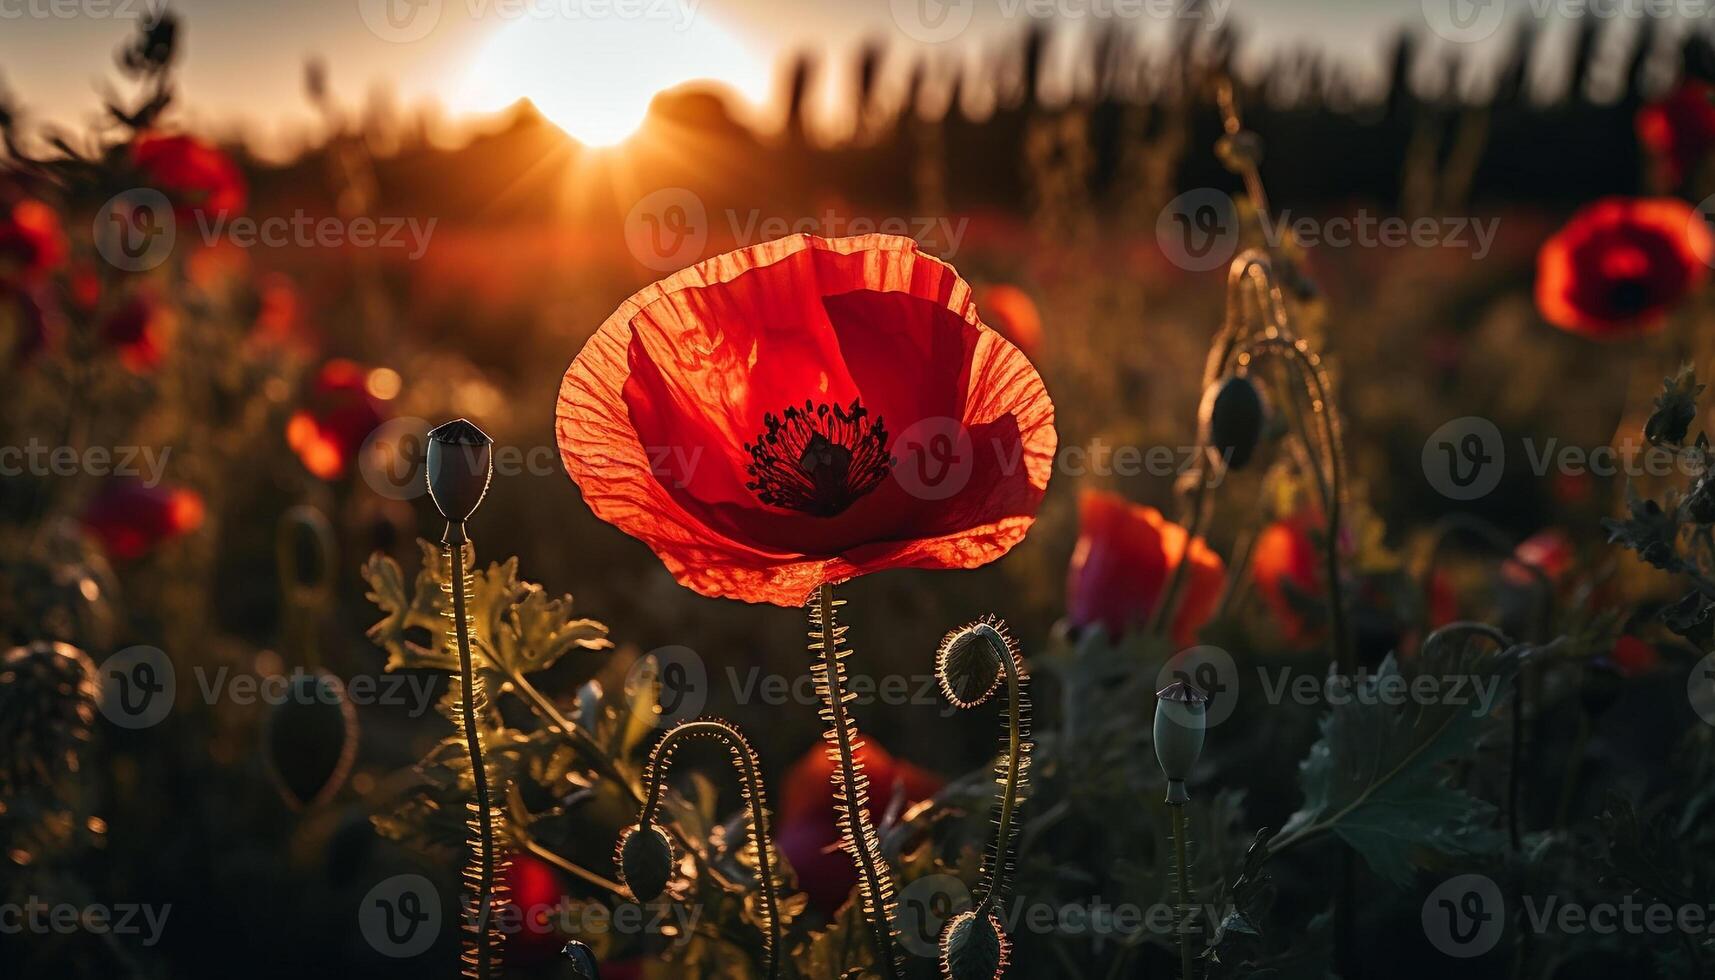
(1231, 418)
(973, 947)
(460, 463)
(645, 859)
(1181, 715)
(582, 959)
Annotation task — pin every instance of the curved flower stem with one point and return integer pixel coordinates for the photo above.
(1012, 771)
(750, 784)
(482, 940)
(875, 885)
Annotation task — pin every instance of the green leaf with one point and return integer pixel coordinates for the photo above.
(1376, 780)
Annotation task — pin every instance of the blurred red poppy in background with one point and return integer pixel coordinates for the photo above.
(1679, 130)
(1011, 312)
(534, 889)
(1286, 564)
(337, 419)
(1621, 264)
(1633, 657)
(804, 411)
(32, 243)
(132, 518)
(140, 331)
(809, 831)
(1124, 558)
(194, 175)
(1548, 552)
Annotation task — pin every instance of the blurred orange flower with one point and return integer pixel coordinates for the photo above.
(1124, 558)
(804, 411)
(1679, 130)
(338, 417)
(32, 243)
(809, 826)
(1012, 313)
(1621, 264)
(132, 518)
(196, 176)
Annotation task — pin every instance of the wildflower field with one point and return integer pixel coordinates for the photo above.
(1104, 507)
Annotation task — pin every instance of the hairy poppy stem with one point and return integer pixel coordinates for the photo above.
(875, 886)
(750, 784)
(1182, 872)
(482, 940)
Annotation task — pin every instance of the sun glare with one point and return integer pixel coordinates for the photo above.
(593, 76)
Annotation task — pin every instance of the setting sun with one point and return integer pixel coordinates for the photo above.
(590, 76)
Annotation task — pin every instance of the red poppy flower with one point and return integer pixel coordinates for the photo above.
(809, 826)
(1549, 551)
(1633, 657)
(338, 418)
(804, 411)
(194, 175)
(533, 888)
(31, 241)
(140, 331)
(1680, 129)
(1286, 565)
(1621, 264)
(1011, 312)
(132, 518)
(1125, 556)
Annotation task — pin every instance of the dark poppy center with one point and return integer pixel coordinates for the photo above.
(818, 459)
(1628, 295)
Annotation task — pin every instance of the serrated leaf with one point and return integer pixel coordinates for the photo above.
(1375, 778)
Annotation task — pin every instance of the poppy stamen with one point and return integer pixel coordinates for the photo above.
(818, 459)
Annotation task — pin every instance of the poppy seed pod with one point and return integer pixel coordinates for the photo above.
(460, 463)
(1181, 714)
(1231, 418)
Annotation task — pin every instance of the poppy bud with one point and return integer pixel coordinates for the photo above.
(973, 947)
(583, 961)
(1180, 718)
(312, 739)
(1231, 418)
(460, 463)
(969, 663)
(645, 861)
